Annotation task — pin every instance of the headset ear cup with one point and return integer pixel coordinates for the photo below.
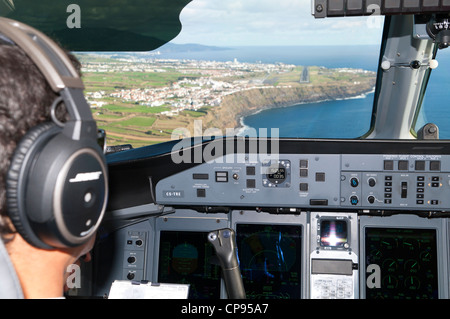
(17, 177)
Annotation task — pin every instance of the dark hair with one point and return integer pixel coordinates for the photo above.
(25, 100)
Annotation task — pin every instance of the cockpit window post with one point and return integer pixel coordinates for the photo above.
(404, 68)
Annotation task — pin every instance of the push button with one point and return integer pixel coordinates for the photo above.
(201, 192)
(435, 165)
(304, 163)
(320, 177)
(388, 165)
(221, 177)
(250, 170)
(303, 172)
(403, 165)
(420, 165)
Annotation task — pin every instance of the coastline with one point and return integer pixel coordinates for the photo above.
(243, 129)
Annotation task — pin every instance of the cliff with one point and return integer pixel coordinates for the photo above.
(244, 103)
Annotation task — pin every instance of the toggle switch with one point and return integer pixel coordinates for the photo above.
(404, 190)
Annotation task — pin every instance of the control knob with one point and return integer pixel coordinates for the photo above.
(354, 200)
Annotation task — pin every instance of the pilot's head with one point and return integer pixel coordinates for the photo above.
(25, 100)
(53, 177)
(54, 171)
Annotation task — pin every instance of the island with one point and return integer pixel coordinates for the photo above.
(143, 100)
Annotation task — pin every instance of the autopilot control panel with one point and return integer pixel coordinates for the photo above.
(313, 181)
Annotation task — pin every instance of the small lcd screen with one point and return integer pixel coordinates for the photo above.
(185, 258)
(402, 263)
(333, 233)
(278, 173)
(270, 260)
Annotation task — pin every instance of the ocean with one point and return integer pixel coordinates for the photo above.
(349, 118)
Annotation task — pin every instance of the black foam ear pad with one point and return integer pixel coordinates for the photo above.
(16, 179)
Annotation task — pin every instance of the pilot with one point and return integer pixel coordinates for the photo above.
(25, 100)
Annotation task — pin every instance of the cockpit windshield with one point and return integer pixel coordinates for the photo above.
(434, 108)
(250, 68)
(241, 67)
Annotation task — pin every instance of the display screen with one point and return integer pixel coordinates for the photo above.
(270, 260)
(277, 174)
(333, 233)
(185, 258)
(405, 263)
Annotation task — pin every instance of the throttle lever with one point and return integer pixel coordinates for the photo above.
(223, 241)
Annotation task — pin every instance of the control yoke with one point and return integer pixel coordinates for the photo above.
(223, 241)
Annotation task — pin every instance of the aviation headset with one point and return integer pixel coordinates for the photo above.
(57, 183)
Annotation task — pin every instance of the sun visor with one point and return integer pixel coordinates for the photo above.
(99, 25)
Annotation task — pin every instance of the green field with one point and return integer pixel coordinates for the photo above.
(109, 81)
(130, 122)
(134, 108)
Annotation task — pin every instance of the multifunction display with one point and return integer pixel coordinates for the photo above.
(333, 233)
(185, 257)
(403, 263)
(270, 260)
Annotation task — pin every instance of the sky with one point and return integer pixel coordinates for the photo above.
(271, 22)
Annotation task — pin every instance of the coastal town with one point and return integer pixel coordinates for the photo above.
(153, 96)
(200, 83)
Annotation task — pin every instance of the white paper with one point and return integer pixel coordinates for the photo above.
(125, 289)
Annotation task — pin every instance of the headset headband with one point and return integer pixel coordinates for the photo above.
(59, 73)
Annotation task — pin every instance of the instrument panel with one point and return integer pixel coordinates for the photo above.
(317, 219)
(313, 255)
(310, 181)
